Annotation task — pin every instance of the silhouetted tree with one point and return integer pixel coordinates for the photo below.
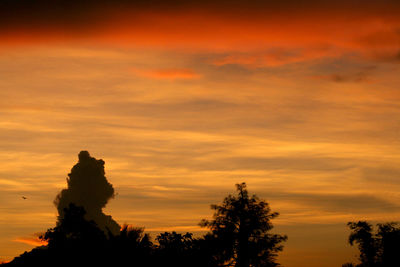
(181, 250)
(380, 249)
(239, 231)
(131, 245)
(362, 235)
(74, 241)
(76, 238)
(73, 228)
(388, 236)
(175, 249)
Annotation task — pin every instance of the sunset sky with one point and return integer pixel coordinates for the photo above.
(184, 99)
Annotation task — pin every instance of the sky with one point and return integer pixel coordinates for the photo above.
(184, 99)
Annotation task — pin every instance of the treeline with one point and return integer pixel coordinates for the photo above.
(239, 235)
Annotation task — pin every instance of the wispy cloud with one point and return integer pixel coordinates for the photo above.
(168, 74)
(32, 240)
(277, 57)
(365, 75)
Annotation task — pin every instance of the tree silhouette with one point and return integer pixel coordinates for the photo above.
(76, 239)
(131, 245)
(362, 235)
(389, 237)
(380, 249)
(175, 249)
(182, 250)
(240, 229)
(73, 229)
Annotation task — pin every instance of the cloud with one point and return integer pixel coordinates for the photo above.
(382, 174)
(72, 13)
(170, 109)
(341, 203)
(389, 36)
(315, 29)
(354, 76)
(276, 57)
(168, 74)
(88, 188)
(391, 56)
(298, 163)
(32, 240)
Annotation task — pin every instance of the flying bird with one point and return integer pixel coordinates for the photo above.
(23, 197)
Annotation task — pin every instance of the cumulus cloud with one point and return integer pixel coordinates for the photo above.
(88, 187)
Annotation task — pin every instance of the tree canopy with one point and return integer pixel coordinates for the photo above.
(241, 227)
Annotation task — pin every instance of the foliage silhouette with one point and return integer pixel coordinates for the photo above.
(379, 249)
(74, 230)
(132, 246)
(240, 230)
(73, 240)
(176, 249)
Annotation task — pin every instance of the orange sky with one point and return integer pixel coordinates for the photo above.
(184, 100)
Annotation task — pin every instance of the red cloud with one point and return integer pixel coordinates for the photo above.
(34, 241)
(168, 74)
(288, 33)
